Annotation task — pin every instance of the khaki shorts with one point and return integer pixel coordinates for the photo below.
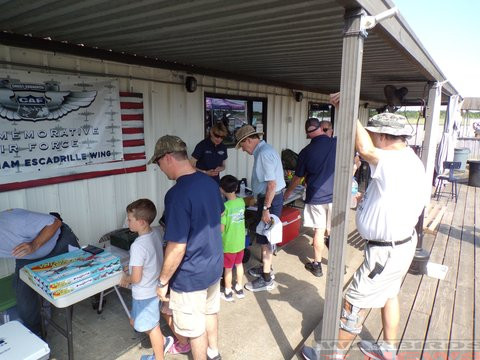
(366, 292)
(189, 309)
(317, 216)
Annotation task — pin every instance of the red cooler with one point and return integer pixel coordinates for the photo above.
(291, 224)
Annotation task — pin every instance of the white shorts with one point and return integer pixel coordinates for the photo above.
(317, 216)
(373, 292)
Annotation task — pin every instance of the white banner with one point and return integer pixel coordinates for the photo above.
(56, 125)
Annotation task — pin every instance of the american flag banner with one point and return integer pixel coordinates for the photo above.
(100, 132)
(131, 109)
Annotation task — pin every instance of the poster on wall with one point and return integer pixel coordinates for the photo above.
(56, 128)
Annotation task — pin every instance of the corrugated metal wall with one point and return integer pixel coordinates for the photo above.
(94, 207)
(97, 206)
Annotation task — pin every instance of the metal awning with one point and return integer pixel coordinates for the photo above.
(297, 44)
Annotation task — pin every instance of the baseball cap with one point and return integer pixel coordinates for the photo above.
(167, 144)
(312, 122)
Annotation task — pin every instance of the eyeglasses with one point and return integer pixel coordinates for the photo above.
(325, 129)
(219, 136)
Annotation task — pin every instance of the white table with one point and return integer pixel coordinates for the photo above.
(68, 301)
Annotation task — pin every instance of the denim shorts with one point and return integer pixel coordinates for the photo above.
(145, 313)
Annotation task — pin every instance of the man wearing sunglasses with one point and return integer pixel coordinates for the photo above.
(210, 154)
(316, 162)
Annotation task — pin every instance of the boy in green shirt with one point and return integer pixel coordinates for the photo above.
(233, 236)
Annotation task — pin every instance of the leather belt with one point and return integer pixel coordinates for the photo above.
(262, 196)
(388, 243)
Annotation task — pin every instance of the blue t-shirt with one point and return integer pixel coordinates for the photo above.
(210, 156)
(316, 162)
(19, 226)
(193, 207)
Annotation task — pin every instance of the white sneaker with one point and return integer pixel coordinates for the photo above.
(378, 351)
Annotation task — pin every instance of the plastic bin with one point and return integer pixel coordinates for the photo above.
(17, 342)
(461, 155)
(291, 224)
(474, 173)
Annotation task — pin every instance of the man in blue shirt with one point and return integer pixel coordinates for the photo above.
(193, 261)
(27, 237)
(267, 185)
(316, 162)
(210, 154)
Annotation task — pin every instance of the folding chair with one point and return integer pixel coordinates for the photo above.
(451, 166)
(7, 297)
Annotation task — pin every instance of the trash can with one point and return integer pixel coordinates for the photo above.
(461, 155)
(474, 173)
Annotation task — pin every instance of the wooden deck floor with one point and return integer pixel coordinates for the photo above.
(440, 319)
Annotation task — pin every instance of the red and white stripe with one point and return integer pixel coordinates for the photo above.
(131, 109)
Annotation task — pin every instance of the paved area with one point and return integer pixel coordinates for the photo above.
(267, 325)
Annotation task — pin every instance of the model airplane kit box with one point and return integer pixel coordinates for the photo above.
(63, 274)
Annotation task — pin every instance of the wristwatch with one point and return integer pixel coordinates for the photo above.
(160, 285)
(266, 208)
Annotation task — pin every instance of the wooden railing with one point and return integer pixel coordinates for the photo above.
(473, 144)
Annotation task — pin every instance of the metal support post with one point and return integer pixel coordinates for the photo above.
(352, 58)
(432, 117)
(420, 260)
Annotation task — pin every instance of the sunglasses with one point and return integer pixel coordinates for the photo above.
(219, 136)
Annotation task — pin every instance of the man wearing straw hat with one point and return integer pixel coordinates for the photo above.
(267, 184)
(386, 219)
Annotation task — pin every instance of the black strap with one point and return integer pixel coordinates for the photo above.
(388, 243)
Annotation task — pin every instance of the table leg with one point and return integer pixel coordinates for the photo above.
(68, 317)
(43, 331)
(100, 304)
(120, 297)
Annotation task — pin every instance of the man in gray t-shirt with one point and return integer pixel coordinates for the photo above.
(27, 237)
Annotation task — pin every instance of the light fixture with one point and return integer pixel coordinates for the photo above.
(298, 96)
(190, 84)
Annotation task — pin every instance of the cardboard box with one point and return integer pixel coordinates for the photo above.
(63, 274)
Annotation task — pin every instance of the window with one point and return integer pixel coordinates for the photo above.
(321, 111)
(235, 112)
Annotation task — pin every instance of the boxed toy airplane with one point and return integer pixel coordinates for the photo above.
(63, 274)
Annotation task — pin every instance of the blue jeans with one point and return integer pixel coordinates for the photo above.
(28, 301)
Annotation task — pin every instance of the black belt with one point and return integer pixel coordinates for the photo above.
(388, 243)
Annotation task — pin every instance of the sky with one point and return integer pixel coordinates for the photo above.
(450, 32)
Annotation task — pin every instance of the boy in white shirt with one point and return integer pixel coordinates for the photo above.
(146, 258)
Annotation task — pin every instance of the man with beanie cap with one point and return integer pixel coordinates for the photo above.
(386, 219)
(316, 162)
(193, 261)
(267, 184)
